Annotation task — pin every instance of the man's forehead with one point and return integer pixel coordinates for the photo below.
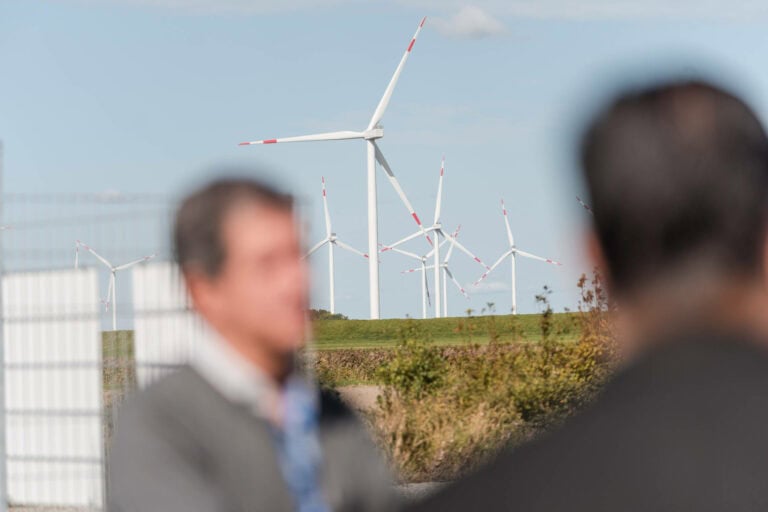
(249, 218)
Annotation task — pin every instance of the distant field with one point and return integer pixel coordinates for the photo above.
(352, 334)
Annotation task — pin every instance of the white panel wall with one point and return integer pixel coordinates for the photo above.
(53, 392)
(166, 331)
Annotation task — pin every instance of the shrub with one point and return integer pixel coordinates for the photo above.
(445, 410)
(416, 367)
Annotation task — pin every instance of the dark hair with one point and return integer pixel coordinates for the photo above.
(678, 175)
(197, 228)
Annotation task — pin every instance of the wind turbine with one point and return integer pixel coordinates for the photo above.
(437, 228)
(113, 270)
(372, 132)
(513, 251)
(331, 240)
(447, 274)
(425, 296)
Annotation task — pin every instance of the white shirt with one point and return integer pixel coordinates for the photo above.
(239, 380)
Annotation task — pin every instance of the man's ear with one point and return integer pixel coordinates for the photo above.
(199, 287)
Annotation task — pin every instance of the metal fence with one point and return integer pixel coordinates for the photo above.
(65, 369)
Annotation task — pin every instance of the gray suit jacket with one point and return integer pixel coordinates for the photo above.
(180, 446)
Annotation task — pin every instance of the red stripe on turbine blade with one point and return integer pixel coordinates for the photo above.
(410, 46)
(429, 240)
(422, 21)
(244, 144)
(416, 218)
(365, 255)
(477, 259)
(270, 141)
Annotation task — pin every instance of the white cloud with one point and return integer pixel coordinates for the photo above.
(470, 22)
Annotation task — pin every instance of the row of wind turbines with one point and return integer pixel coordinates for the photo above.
(441, 269)
(370, 134)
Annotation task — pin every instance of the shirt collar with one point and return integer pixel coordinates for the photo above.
(240, 381)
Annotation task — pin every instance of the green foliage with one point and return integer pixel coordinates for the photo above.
(445, 409)
(416, 367)
(324, 314)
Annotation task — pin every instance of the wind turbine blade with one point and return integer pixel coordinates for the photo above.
(382, 106)
(450, 249)
(498, 262)
(344, 135)
(95, 254)
(400, 192)
(325, 209)
(406, 253)
(317, 246)
(108, 300)
(461, 288)
(135, 262)
(402, 241)
(432, 251)
(439, 202)
(77, 254)
(533, 256)
(506, 222)
(585, 205)
(349, 248)
(466, 251)
(426, 287)
(416, 269)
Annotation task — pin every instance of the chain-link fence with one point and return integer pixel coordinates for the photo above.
(79, 331)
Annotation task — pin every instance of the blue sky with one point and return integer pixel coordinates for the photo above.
(150, 95)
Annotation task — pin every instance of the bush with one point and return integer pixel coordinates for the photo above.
(416, 367)
(342, 367)
(445, 410)
(324, 314)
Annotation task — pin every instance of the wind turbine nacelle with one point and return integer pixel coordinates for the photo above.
(374, 133)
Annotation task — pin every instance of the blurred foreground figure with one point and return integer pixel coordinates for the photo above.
(678, 179)
(242, 429)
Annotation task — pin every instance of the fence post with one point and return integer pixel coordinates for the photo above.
(3, 453)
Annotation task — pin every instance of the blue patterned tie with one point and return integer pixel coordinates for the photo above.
(299, 446)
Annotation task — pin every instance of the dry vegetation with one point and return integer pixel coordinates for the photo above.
(445, 409)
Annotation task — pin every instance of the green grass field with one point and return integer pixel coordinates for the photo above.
(361, 334)
(357, 334)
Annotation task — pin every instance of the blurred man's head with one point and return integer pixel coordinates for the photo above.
(678, 179)
(238, 246)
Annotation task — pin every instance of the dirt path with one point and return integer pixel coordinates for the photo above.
(359, 398)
